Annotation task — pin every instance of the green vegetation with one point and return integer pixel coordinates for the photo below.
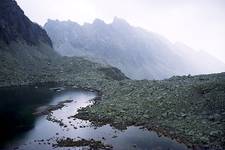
(190, 109)
(92, 144)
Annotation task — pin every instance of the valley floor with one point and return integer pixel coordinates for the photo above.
(190, 109)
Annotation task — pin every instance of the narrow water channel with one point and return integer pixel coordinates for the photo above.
(42, 133)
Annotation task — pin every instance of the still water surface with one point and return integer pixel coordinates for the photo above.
(22, 130)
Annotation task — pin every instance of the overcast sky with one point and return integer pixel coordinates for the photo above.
(198, 23)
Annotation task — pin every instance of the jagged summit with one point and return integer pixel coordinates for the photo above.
(56, 22)
(117, 20)
(52, 20)
(98, 22)
(138, 53)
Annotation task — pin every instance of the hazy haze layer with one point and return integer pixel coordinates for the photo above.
(197, 23)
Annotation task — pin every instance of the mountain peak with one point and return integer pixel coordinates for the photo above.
(98, 22)
(52, 20)
(120, 21)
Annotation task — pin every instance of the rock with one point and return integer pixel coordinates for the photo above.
(215, 133)
(164, 115)
(171, 132)
(159, 97)
(183, 115)
(122, 111)
(134, 145)
(204, 122)
(204, 139)
(114, 136)
(204, 113)
(146, 116)
(214, 117)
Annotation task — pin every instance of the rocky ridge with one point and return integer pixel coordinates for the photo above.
(190, 108)
(138, 53)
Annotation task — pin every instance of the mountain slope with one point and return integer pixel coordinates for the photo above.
(14, 25)
(27, 56)
(191, 108)
(17, 31)
(24, 46)
(138, 53)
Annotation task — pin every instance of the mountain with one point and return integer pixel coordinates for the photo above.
(140, 54)
(18, 32)
(14, 25)
(27, 55)
(190, 109)
(24, 46)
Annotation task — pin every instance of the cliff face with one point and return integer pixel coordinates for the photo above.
(25, 48)
(14, 25)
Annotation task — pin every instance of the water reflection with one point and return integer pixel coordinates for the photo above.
(44, 133)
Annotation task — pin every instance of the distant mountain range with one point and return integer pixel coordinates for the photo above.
(188, 108)
(140, 54)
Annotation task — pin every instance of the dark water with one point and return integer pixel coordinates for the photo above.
(20, 129)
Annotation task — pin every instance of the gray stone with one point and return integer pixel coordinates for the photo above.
(215, 133)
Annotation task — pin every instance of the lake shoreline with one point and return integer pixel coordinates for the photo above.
(101, 103)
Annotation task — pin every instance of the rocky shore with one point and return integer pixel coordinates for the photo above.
(92, 144)
(188, 108)
(45, 110)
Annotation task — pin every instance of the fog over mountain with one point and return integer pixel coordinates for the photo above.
(140, 54)
(53, 102)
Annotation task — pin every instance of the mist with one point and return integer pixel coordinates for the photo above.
(115, 75)
(198, 24)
